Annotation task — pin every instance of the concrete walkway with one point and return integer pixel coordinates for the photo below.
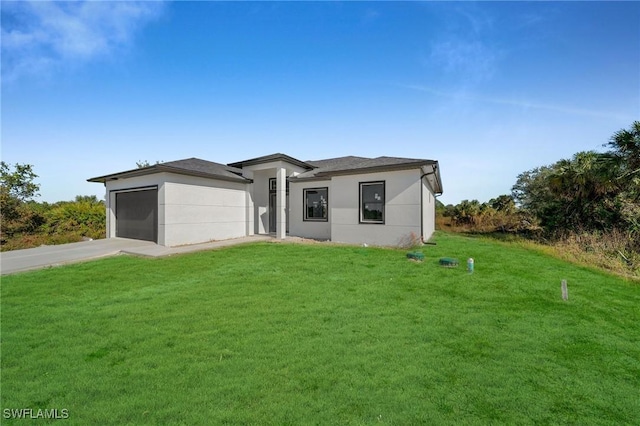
(46, 256)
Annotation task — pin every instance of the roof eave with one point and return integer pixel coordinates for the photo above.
(435, 171)
(309, 178)
(126, 174)
(178, 170)
(159, 168)
(270, 158)
(376, 169)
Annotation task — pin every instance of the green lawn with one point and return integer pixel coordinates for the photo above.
(321, 334)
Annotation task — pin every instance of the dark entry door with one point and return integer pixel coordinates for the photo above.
(273, 214)
(137, 215)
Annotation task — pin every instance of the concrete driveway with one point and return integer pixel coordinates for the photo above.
(41, 257)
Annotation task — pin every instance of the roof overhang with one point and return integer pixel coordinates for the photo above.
(161, 168)
(270, 159)
(373, 169)
(431, 172)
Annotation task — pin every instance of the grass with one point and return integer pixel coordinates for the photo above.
(610, 250)
(320, 334)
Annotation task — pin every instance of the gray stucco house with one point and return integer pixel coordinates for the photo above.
(379, 201)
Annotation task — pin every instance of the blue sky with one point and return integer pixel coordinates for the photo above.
(489, 89)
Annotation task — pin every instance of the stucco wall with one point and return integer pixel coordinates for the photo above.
(297, 225)
(428, 211)
(194, 210)
(191, 209)
(403, 214)
(197, 210)
(261, 200)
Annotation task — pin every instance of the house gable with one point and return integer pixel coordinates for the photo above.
(273, 158)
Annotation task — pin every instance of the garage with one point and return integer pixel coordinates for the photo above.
(137, 214)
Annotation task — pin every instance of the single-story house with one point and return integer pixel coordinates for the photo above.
(378, 201)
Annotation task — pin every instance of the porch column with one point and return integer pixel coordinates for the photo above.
(248, 199)
(111, 214)
(281, 203)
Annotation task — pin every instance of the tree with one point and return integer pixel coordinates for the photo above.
(18, 183)
(532, 194)
(572, 194)
(91, 199)
(625, 153)
(145, 163)
(466, 212)
(503, 203)
(17, 188)
(625, 145)
(590, 192)
(586, 187)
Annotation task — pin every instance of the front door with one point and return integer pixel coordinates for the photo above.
(272, 212)
(272, 207)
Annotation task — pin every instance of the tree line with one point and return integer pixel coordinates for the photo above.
(593, 194)
(26, 223)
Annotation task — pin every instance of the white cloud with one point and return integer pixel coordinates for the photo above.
(463, 49)
(474, 18)
(519, 103)
(471, 61)
(39, 36)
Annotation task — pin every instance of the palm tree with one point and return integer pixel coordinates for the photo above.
(626, 153)
(584, 188)
(503, 203)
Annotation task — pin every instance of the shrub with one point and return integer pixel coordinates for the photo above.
(32, 224)
(82, 218)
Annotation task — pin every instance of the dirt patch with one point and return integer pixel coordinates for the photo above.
(301, 240)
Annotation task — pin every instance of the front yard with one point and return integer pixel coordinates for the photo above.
(322, 334)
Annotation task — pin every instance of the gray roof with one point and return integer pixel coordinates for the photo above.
(189, 166)
(268, 158)
(353, 165)
(316, 169)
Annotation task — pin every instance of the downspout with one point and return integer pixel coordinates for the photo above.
(422, 207)
(432, 172)
(421, 212)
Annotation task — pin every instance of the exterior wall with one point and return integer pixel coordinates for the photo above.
(297, 225)
(194, 210)
(191, 210)
(261, 200)
(403, 212)
(249, 227)
(197, 210)
(428, 211)
(261, 173)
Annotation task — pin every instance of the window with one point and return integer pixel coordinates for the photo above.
(316, 201)
(371, 202)
(273, 185)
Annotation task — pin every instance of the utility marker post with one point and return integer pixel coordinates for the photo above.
(565, 291)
